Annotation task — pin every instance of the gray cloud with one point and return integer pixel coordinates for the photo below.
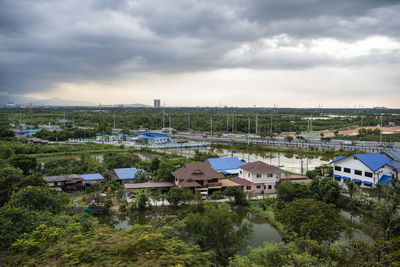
(45, 42)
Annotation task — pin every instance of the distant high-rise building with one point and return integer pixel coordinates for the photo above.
(157, 103)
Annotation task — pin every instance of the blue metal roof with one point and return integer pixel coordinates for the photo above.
(92, 176)
(338, 158)
(357, 180)
(153, 135)
(346, 178)
(374, 161)
(127, 173)
(367, 183)
(337, 176)
(225, 164)
(385, 179)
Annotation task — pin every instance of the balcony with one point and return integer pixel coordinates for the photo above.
(210, 185)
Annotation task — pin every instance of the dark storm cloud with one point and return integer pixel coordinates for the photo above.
(45, 42)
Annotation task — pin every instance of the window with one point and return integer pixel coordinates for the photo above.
(248, 187)
(258, 186)
(248, 174)
(357, 172)
(258, 175)
(240, 172)
(346, 170)
(265, 187)
(269, 175)
(270, 187)
(368, 174)
(337, 168)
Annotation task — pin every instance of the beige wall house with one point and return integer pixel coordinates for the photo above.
(259, 177)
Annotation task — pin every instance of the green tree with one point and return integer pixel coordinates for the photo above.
(311, 219)
(187, 196)
(9, 177)
(351, 188)
(38, 198)
(237, 193)
(289, 138)
(142, 201)
(142, 245)
(325, 189)
(25, 162)
(296, 253)
(174, 196)
(215, 230)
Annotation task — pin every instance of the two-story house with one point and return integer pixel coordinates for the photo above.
(364, 169)
(258, 177)
(198, 176)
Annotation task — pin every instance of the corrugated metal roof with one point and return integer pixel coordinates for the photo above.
(127, 173)
(92, 176)
(226, 164)
(337, 159)
(153, 135)
(374, 161)
(385, 179)
(61, 178)
(149, 185)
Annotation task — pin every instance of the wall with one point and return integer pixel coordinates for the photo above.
(355, 164)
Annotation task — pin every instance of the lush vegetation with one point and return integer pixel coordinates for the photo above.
(269, 120)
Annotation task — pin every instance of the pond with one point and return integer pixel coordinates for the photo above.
(262, 230)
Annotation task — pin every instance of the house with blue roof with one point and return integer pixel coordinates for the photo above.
(92, 179)
(226, 166)
(125, 175)
(364, 169)
(150, 138)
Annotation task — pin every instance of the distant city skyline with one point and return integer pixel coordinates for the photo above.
(240, 53)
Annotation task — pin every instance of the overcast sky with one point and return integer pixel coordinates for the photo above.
(292, 53)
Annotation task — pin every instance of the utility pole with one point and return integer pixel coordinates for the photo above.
(189, 123)
(163, 120)
(248, 127)
(256, 123)
(271, 122)
(380, 137)
(233, 121)
(211, 125)
(114, 120)
(227, 123)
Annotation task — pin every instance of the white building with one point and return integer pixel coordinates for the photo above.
(364, 169)
(262, 177)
